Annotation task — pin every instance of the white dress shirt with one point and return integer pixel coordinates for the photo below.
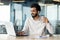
(37, 27)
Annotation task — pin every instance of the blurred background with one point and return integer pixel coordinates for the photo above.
(16, 11)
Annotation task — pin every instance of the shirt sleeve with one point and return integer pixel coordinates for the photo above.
(49, 28)
(26, 26)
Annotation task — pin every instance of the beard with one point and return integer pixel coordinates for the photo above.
(34, 15)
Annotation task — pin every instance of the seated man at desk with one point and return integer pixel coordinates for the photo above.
(36, 25)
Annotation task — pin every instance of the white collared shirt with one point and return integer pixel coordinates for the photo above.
(36, 27)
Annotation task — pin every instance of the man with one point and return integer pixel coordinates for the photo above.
(36, 25)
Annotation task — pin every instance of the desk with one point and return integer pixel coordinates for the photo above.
(56, 37)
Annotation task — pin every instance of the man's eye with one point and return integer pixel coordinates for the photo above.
(33, 11)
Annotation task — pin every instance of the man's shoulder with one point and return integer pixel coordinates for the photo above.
(45, 19)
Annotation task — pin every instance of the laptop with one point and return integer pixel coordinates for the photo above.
(8, 29)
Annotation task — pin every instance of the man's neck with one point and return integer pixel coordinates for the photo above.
(36, 18)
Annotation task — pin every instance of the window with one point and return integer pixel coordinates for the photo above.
(52, 15)
(59, 12)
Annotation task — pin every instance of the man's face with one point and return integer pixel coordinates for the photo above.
(34, 12)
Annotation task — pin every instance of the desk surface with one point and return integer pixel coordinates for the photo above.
(56, 37)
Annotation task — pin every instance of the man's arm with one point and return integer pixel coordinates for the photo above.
(49, 27)
(25, 28)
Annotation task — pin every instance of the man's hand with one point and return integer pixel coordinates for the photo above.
(50, 35)
(20, 33)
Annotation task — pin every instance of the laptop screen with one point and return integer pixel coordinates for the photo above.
(3, 29)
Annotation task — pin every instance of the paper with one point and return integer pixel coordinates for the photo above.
(40, 37)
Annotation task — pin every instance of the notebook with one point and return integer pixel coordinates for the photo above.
(9, 29)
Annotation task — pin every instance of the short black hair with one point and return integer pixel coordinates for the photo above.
(37, 6)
